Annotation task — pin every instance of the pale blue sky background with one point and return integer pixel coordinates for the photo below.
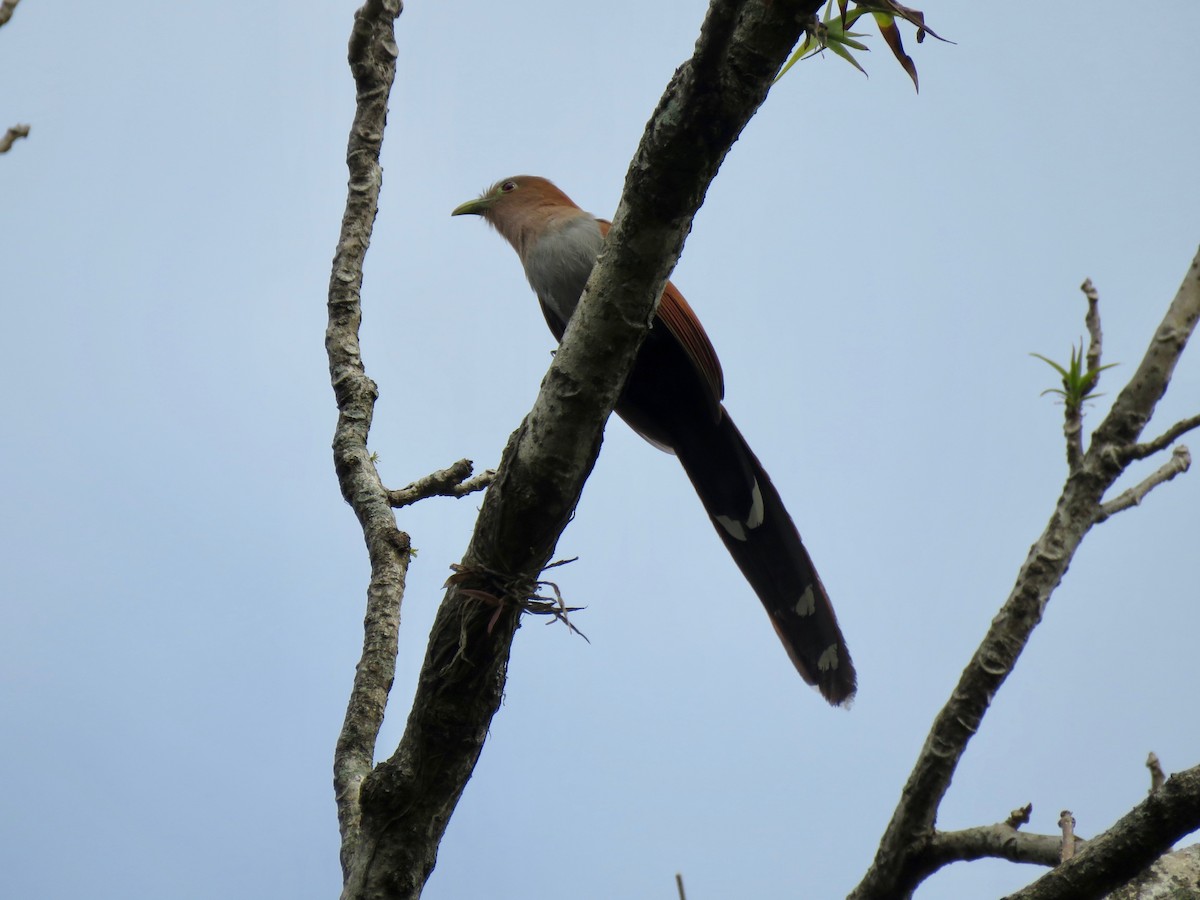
(183, 586)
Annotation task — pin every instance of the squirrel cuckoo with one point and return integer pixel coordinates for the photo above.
(672, 398)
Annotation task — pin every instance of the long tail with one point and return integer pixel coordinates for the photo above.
(751, 519)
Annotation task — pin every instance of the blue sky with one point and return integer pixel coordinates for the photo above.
(184, 586)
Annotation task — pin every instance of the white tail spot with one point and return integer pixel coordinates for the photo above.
(736, 529)
(733, 526)
(807, 604)
(829, 659)
(756, 508)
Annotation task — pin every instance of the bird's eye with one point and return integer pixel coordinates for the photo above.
(508, 187)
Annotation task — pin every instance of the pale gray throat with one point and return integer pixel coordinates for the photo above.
(559, 263)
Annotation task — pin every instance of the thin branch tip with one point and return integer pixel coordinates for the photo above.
(11, 136)
(1157, 776)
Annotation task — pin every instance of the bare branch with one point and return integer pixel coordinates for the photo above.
(896, 869)
(7, 8)
(1135, 404)
(1092, 320)
(1066, 822)
(1019, 817)
(11, 136)
(1166, 439)
(679, 885)
(1135, 841)
(455, 481)
(1157, 776)
(1180, 461)
(373, 62)
(1000, 841)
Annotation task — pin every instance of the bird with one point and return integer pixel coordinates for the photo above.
(673, 398)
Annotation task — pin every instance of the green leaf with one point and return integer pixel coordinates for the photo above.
(1077, 383)
(834, 33)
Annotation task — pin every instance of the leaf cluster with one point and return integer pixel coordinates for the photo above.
(834, 34)
(1077, 382)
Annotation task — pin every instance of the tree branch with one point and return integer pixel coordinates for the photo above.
(1166, 439)
(455, 481)
(1157, 776)
(1180, 461)
(373, 61)
(1092, 320)
(895, 871)
(1066, 843)
(1000, 841)
(1073, 417)
(1135, 841)
(10, 137)
(7, 8)
(407, 800)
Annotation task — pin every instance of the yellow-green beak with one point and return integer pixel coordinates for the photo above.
(476, 207)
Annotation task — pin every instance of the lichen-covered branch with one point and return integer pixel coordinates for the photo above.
(455, 481)
(1135, 841)
(373, 63)
(898, 864)
(408, 799)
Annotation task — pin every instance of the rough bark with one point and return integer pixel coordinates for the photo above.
(373, 63)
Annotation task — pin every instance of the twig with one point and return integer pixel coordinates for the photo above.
(372, 56)
(1164, 440)
(1019, 817)
(1157, 776)
(7, 8)
(679, 885)
(10, 137)
(454, 481)
(1000, 841)
(1066, 822)
(1092, 320)
(1180, 461)
(1073, 412)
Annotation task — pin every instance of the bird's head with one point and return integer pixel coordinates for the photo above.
(521, 208)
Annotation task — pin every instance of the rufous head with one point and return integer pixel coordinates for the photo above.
(521, 208)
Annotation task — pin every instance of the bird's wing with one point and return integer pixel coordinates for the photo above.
(683, 324)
